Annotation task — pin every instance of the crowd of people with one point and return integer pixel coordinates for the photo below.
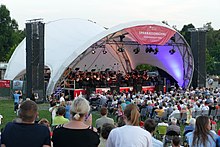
(136, 120)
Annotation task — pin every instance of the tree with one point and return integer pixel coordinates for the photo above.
(10, 36)
(186, 33)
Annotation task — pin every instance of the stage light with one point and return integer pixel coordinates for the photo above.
(93, 51)
(136, 50)
(120, 49)
(156, 51)
(147, 49)
(172, 51)
(104, 52)
(151, 50)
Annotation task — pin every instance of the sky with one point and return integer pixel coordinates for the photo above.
(108, 13)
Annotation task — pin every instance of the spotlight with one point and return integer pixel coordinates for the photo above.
(120, 49)
(136, 50)
(156, 51)
(104, 52)
(172, 51)
(151, 49)
(147, 49)
(93, 51)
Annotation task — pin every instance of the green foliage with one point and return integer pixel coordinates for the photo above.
(146, 67)
(10, 36)
(186, 33)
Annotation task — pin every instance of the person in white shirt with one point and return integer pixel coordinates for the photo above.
(130, 135)
(174, 112)
(62, 98)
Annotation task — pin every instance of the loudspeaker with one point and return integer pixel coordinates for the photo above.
(35, 60)
(198, 46)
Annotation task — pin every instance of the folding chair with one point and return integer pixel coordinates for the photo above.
(213, 113)
(162, 130)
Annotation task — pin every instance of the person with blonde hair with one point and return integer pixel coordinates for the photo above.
(79, 130)
(130, 135)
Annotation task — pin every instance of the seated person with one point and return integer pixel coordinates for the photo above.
(174, 112)
(160, 111)
(59, 119)
(176, 141)
(105, 130)
(173, 126)
(190, 127)
(150, 126)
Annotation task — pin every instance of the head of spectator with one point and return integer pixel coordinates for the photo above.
(150, 125)
(176, 141)
(28, 111)
(80, 108)
(44, 122)
(173, 121)
(106, 129)
(202, 131)
(61, 111)
(192, 122)
(104, 111)
(131, 115)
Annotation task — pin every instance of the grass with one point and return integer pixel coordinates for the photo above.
(7, 111)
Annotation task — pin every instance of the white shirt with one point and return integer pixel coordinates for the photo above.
(156, 143)
(129, 136)
(62, 99)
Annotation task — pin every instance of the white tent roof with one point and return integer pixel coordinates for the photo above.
(69, 43)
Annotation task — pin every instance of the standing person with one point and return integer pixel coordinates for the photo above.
(202, 136)
(77, 132)
(16, 96)
(103, 119)
(26, 133)
(130, 135)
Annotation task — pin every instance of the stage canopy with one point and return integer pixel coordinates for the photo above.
(82, 44)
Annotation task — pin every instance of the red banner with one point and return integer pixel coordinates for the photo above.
(4, 83)
(151, 34)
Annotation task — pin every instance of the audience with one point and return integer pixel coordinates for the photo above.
(190, 127)
(176, 141)
(131, 134)
(79, 131)
(104, 119)
(105, 130)
(60, 119)
(202, 136)
(173, 126)
(150, 126)
(26, 133)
